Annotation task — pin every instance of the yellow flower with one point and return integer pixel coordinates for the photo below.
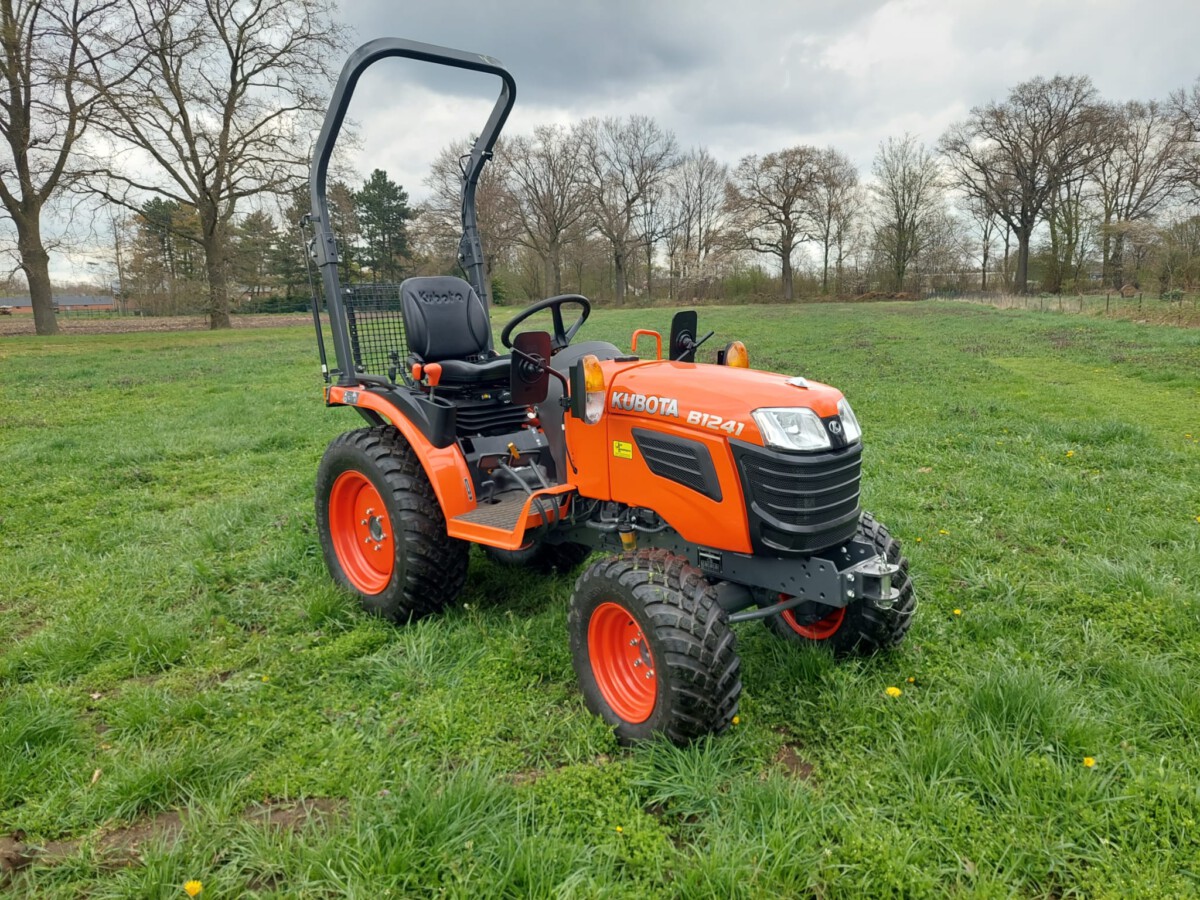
(942, 531)
(911, 680)
(737, 720)
(893, 691)
(1070, 453)
(1089, 761)
(918, 540)
(266, 678)
(620, 830)
(193, 887)
(958, 612)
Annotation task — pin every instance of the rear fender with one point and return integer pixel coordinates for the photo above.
(445, 466)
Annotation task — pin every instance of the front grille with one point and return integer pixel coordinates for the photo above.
(801, 502)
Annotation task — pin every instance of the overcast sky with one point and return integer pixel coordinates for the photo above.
(746, 76)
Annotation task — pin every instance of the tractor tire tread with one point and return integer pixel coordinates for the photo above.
(691, 631)
(435, 568)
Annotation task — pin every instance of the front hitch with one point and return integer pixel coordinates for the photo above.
(815, 580)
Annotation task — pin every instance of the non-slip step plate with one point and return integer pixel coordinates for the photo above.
(502, 515)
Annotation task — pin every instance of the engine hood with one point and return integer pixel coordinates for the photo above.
(708, 397)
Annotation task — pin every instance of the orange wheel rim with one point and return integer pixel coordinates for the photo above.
(820, 630)
(362, 532)
(622, 663)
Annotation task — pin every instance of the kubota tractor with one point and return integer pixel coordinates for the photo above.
(713, 493)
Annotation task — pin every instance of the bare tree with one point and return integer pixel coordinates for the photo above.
(495, 205)
(546, 181)
(1016, 154)
(834, 204)
(1185, 103)
(1136, 177)
(908, 194)
(696, 197)
(1069, 233)
(217, 112)
(986, 230)
(625, 160)
(51, 50)
(769, 198)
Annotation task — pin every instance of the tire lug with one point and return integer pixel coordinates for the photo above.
(637, 662)
(363, 522)
(649, 674)
(376, 548)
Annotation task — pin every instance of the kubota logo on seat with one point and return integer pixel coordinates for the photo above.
(660, 406)
(442, 297)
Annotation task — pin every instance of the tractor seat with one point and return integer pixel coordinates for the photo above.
(446, 323)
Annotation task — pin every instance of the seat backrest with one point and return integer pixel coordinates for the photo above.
(443, 318)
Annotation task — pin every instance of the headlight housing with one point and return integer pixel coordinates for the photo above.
(791, 428)
(849, 421)
(799, 428)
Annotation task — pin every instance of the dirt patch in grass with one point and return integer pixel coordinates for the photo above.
(23, 325)
(788, 758)
(123, 846)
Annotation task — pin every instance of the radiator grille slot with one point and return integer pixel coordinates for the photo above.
(683, 461)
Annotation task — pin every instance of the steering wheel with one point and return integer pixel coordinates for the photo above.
(561, 336)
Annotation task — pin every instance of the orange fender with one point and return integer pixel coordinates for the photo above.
(445, 466)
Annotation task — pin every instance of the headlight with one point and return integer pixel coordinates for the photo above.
(849, 421)
(792, 429)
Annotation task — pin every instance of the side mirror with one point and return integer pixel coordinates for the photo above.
(683, 336)
(530, 377)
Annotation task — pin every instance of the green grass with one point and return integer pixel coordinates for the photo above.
(167, 623)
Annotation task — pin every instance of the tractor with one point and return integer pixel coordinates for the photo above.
(702, 494)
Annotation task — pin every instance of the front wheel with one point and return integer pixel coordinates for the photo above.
(863, 626)
(652, 648)
(381, 528)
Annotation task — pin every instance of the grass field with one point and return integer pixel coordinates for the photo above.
(177, 673)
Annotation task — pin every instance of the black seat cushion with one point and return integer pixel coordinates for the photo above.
(446, 323)
(443, 318)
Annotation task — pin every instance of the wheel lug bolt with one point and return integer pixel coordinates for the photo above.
(377, 548)
(649, 674)
(363, 522)
(637, 662)
(633, 643)
(366, 540)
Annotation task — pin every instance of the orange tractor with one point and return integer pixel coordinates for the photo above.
(714, 493)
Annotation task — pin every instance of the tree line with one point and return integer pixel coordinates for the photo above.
(188, 120)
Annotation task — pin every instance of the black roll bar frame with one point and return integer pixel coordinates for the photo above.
(470, 249)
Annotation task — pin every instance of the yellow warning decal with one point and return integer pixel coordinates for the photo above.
(622, 449)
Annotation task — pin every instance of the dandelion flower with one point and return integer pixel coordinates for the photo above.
(958, 612)
(266, 678)
(620, 830)
(737, 720)
(942, 531)
(911, 680)
(1070, 453)
(893, 691)
(1089, 761)
(193, 887)
(918, 540)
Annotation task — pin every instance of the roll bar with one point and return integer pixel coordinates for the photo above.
(470, 249)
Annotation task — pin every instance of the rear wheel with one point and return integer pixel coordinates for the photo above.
(862, 627)
(382, 531)
(652, 648)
